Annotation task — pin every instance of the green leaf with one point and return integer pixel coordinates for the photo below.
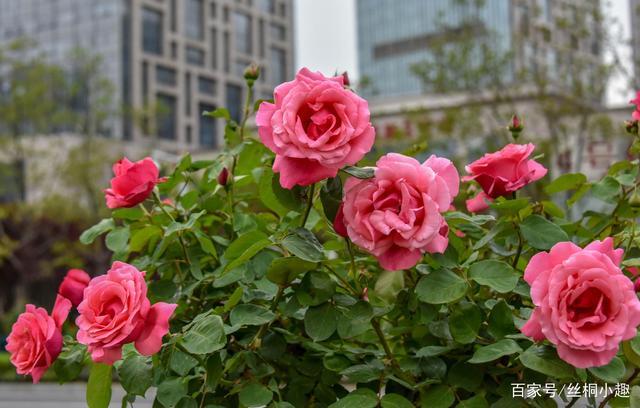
(70, 362)
(176, 227)
(360, 398)
(544, 359)
(242, 243)
(99, 386)
(363, 373)
(255, 395)
(606, 189)
(215, 370)
(250, 315)
(218, 113)
(395, 401)
(283, 271)
(360, 172)
(494, 351)
(142, 236)
(501, 320)
(465, 375)
(268, 196)
(388, 285)
(316, 288)
(355, 320)
(181, 363)
(464, 322)
(105, 225)
(611, 373)
(302, 243)
(509, 207)
(248, 254)
(498, 275)
(441, 286)
(438, 396)
(320, 322)
(565, 182)
(171, 391)
(474, 402)
(290, 198)
(205, 334)
(541, 233)
(432, 351)
(136, 374)
(331, 197)
(187, 402)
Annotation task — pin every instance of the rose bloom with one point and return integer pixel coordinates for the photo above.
(73, 284)
(502, 173)
(585, 305)
(396, 215)
(35, 340)
(133, 182)
(636, 101)
(315, 127)
(116, 311)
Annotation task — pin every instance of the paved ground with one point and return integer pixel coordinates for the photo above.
(52, 395)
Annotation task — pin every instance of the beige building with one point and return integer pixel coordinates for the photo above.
(168, 60)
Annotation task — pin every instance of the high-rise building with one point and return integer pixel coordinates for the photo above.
(175, 58)
(395, 36)
(634, 13)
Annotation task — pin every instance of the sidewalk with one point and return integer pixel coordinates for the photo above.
(52, 395)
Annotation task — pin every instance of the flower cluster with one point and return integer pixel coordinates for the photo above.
(257, 283)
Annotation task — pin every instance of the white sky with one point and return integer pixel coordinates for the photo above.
(326, 39)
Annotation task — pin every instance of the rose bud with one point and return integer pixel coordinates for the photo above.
(338, 223)
(223, 177)
(252, 73)
(345, 79)
(72, 286)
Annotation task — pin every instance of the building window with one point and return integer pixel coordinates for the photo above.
(242, 32)
(194, 19)
(174, 50)
(214, 10)
(151, 31)
(194, 56)
(207, 129)
(165, 76)
(174, 15)
(278, 32)
(278, 66)
(234, 101)
(227, 52)
(267, 6)
(166, 117)
(214, 48)
(187, 94)
(189, 137)
(206, 86)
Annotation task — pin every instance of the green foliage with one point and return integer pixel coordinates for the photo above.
(275, 309)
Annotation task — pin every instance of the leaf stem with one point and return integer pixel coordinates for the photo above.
(632, 377)
(257, 339)
(375, 323)
(156, 197)
(353, 270)
(307, 211)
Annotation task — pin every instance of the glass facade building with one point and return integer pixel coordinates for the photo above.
(166, 58)
(393, 36)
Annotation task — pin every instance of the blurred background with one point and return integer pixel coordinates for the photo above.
(83, 82)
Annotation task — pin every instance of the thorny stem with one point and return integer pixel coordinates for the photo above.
(156, 197)
(257, 339)
(307, 211)
(375, 323)
(354, 271)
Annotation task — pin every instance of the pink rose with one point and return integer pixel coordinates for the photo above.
(396, 215)
(502, 172)
(636, 113)
(584, 303)
(315, 127)
(133, 182)
(72, 286)
(35, 340)
(116, 311)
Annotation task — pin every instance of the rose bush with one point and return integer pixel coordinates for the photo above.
(278, 274)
